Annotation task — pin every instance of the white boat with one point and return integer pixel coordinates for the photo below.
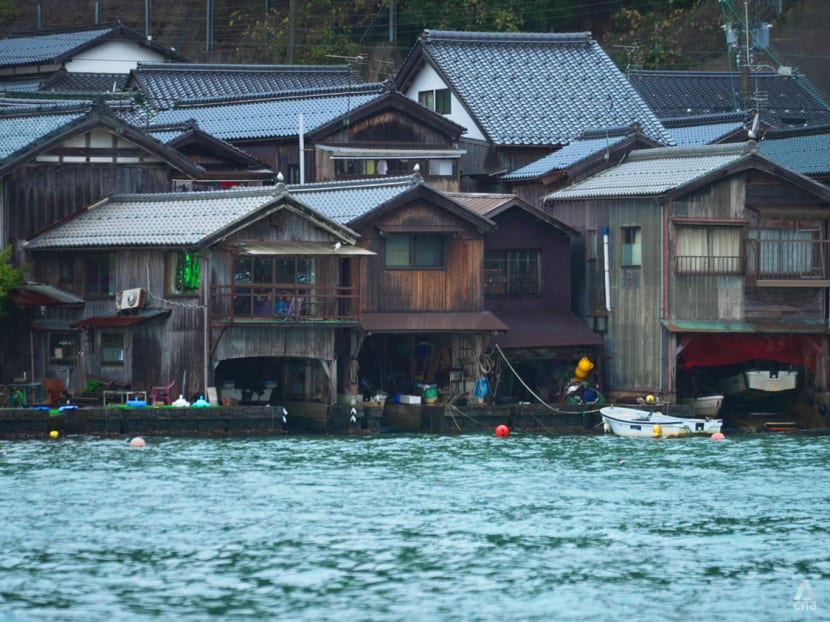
(624, 421)
(705, 405)
(759, 380)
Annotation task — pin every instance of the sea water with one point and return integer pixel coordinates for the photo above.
(469, 527)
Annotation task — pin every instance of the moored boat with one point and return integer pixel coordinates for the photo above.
(634, 422)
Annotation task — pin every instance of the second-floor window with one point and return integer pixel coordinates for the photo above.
(632, 247)
(512, 271)
(182, 273)
(788, 252)
(112, 349)
(438, 100)
(100, 275)
(414, 250)
(708, 250)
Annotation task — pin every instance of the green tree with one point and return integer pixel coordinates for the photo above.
(10, 277)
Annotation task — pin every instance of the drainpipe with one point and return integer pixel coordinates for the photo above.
(664, 261)
(205, 325)
(607, 266)
(302, 148)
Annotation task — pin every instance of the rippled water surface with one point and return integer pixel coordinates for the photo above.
(471, 527)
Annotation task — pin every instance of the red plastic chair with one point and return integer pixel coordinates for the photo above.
(162, 394)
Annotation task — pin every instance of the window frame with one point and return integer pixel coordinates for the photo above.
(416, 244)
(509, 272)
(632, 250)
(172, 260)
(99, 272)
(117, 342)
(708, 263)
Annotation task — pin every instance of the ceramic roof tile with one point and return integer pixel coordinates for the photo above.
(529, 89)
(784, 100)
(64, 82)
(808, 154)
(165, 84)
(18, 131)
(22, 50)
(264, 119)
(652, 172)
(563, 158)
(703, 134)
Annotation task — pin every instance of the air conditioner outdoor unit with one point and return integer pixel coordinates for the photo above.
(131, 299)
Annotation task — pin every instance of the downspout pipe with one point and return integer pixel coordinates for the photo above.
(607, 266)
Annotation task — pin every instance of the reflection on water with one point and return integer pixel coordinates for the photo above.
(467, 527)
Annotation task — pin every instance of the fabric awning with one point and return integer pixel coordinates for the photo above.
(555, 328)
(37, 294)
(288, 247)
(118, 320)
(431, 322)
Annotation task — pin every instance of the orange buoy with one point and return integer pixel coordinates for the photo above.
(502, 430)
(717, 436)
(138, 442)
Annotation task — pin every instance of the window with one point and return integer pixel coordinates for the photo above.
(438, 100)
(63, 347)
(632, 247)
(788, 252)
(414, 250)
(512, 272)
(440, 168)
(112, 349)
(182, 273)
(100, 274)
(708, 250)
(590, 245)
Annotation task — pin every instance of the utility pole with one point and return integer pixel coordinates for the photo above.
(209, 28)
(292, 24)
(745, 86)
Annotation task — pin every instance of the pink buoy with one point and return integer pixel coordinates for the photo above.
(502, 430)
(138, 442)
(717, 436)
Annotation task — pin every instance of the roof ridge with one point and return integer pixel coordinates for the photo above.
(322, 91)
(513, 37)
(371, 182)
(242, 68)
(692, 151)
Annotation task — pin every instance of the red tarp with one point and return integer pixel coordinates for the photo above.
(708, 349)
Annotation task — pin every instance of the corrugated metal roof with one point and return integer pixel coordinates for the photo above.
(651, 172)
(24, 50)
(739, 326)
(121, 320)
(42, 294)
(448, 321)
(165, 84)
(482, 203)
(808, 154)
(563, 158)
(538, 88)
(18, 131)
(266, 119)
(294, 247)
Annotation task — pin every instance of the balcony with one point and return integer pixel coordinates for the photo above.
(786, 263)
(283, 304)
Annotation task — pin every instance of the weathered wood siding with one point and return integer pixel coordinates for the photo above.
(456, 287)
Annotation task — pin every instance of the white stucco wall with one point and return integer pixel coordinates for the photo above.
(112, 57)
(428, 79)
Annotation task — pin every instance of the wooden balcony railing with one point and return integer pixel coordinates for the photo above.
(787, 263)
(283, 303)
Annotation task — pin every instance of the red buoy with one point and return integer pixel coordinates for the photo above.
(502, 430)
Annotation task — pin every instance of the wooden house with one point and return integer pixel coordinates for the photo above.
(716, 265)
(343, 133)
(88, 59)
(520, 95)
(527, 285)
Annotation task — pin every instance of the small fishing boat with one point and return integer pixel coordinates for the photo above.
(760, 381)
(706, 406)
(624, 421)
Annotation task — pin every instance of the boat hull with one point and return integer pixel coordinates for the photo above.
(760, 381)
(637, 423)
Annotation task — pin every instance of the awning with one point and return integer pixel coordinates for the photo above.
(37, 294)
(358, 153)
(431, 322)
(288, 247)
(555, 328)
(735, 326)
(118, 320)
(702, 349)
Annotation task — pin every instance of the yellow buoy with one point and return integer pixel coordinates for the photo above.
(583, 367)
(657, 430)
(649, 398)
(54, 434)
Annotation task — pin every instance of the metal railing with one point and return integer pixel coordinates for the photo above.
(283, 303)
(786, 260)
(708, 265)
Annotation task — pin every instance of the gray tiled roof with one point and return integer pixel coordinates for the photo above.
(19, 131)
(807, 154)
(22, 50)
(64, 82)
(344, 202)
(704, 134)
(652, 172)
(182, 218)
(538, 89)
(28, 85)
(784, 100)
(188, 218)
(563, 158)
(270, 118)
(165, 84)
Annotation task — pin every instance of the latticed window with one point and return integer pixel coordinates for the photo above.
(512, 271)
(706, 250)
